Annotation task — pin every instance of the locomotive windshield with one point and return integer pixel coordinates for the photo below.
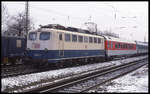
(44, 35)
(32, 35)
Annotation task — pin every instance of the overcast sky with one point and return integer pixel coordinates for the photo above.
(131, 15)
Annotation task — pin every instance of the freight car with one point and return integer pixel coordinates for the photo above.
(12, 49)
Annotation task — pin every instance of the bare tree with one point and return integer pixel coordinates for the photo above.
(17, 25)
(5, 17)
(109, 33)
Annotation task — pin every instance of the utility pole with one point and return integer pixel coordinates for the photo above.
(27, 18)
(144, 38)
(68, 21)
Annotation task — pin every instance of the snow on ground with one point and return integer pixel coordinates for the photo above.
(136, 81)
(37, 77)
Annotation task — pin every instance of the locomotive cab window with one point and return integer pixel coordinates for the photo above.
(32, 35)
(44, 35)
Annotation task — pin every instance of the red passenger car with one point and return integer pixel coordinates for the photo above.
(119, 47)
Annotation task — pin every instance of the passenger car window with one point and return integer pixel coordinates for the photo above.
(74, 38)
(108, 44)
(32, 35)
(123, 45)
(44, 35)
(111, 45)
(119, 45)
(116, 45)
(67, 37)
(80, 38)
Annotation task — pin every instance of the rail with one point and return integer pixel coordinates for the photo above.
(60, 86)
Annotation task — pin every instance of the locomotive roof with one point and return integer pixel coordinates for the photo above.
(119, 39)
(60, 30)
(71, 29)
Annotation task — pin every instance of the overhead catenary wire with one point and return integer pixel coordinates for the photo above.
(55, 12)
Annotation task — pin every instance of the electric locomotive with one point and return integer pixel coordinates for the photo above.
(61, 44)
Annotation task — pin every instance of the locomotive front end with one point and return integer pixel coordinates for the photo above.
(39, 44)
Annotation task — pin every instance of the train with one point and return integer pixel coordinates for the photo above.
(12, 49)
(54, 43)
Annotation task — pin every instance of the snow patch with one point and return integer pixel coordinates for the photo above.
(37, 77)
(136, 81)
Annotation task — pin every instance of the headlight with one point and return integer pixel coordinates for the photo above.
(46, 49)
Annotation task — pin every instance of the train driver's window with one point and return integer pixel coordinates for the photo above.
(44, 35)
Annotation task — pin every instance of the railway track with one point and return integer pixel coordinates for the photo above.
(21, 69)
(87, 81)
(10, 71)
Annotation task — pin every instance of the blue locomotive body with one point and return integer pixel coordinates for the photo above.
(55, 55)
(12, 48)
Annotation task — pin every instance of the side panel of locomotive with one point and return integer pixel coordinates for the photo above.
(64, 44)
(75, 44)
